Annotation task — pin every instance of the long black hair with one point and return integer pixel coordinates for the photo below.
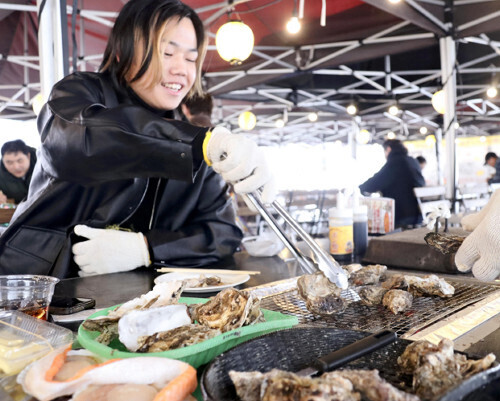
(141, 22)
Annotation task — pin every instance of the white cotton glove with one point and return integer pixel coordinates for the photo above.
(480, 249)
(109, 251)
(240, 162)
(471, 221)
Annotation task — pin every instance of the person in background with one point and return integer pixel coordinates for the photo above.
(198, 109)
(396, 179)
(120, 184)
(490, 161)
(18, 162)
(421, 161)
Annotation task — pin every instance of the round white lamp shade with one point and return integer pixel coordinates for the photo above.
(247, 120)
(363, 137)
(234, 41)
(438, 102)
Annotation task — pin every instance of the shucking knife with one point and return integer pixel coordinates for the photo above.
(348, 353)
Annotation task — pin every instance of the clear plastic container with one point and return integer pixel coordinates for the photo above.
(24, 339)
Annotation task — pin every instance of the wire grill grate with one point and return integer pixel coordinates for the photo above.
(424, 311)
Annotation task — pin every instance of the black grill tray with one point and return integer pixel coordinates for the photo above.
(293, 349)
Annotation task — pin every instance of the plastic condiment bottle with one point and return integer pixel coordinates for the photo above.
(340, 231)
(360, 224)
(360, 229)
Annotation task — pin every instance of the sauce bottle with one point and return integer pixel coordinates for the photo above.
(340, 231)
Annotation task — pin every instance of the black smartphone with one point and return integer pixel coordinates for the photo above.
(67, 306)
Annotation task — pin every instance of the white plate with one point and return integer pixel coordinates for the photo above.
(228, 280)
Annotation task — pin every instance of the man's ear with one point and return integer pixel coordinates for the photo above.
(29, 156)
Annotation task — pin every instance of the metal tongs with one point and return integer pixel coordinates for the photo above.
(320, 259)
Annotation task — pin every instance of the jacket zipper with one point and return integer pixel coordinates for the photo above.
(154, 204)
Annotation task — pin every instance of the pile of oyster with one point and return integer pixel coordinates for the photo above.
(396, 293)
(156, 321)
(435, 369)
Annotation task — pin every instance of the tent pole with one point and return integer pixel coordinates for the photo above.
(448, 75)
(51, 44)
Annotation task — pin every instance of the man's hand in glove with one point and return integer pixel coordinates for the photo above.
(109, 251)
(480, 249)
(240, 162)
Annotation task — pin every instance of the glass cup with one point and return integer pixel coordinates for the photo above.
(27, 293)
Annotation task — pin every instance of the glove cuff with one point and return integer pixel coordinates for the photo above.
(208, 135)
(143, 247)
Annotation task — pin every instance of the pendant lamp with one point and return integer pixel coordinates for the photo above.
(234, 42)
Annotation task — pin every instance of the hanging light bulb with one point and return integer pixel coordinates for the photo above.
(482, 138)
(293, 25)
(352, 109)
(423, 130)
(247, 120)
(234, 42)
(37, 103)
(393, 110)
(280, 123)
(457, 125)
(312, 117)
(438, 102)
(363, 136)
(492, 92)
(391, 135)
(394, 1)
(430, 140)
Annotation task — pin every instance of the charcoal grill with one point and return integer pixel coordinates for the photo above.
(293, 349)
(424, 312)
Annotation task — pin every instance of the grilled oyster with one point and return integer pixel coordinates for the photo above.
(279, 385)
(352, 268)
(176, 338)
(370, 274)
(372, 294)
(108, 327)
(396, 282)
(322, 297)
(436, 368)
(228, 310)
(371, 386)
(397, 300)
(429, 285)
(444, 243)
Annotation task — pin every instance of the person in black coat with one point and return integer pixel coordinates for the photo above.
(396, 179)
(119, 184)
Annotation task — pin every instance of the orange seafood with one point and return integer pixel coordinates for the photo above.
(150, 378)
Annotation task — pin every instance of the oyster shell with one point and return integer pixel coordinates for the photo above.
(176, 338)
(444, 243)
(397, 300)
(322, 297)
(279, 385)
(369, 274)
(371, 385)
(372, 295)
(162, 294)
(429, 285)
(140, 323)
(396, 282)
(228, 310)
(436, 368)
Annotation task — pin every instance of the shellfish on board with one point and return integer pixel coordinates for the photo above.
(91, 379)
(162, 294)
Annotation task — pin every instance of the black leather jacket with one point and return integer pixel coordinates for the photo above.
(101, 150)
